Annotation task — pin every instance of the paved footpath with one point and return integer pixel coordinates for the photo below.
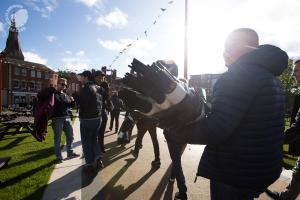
(127, 178)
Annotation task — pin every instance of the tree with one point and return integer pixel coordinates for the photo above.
(63, 74)
(290, 86)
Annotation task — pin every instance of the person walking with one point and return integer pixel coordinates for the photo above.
(117, 105)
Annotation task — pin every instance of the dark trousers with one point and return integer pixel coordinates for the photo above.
(221, 191)
(102, 129)
(114, 115)
(142, 129)
(176, 151)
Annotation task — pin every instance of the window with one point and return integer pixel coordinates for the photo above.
(31, 86)
(46, 75)
(17, 71)
(23, 85)
(39, 74)
(15, 84)
(32, 73)
(38, 86)
(24, 72)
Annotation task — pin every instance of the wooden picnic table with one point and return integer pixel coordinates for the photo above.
(7, 115)
(17, 126)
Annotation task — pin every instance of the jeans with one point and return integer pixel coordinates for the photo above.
(114, 115)
(221, 191)
(293, 189)
(58, 125)
(142, 129)
(102, 129)
(89, 129)
(176, 151)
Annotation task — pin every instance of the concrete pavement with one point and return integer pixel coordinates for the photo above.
(125, 177)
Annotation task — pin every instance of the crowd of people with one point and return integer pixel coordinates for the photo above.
(243, 130)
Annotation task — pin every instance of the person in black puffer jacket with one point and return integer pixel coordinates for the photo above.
(90, 107)
(244, 129)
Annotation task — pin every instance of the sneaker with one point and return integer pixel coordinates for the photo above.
(155, 163)
(172, 180)
(273, 195)
(99, 164)
(134, 153)
(180, 196)
(58, 161)
(103, 150)
(73, 155)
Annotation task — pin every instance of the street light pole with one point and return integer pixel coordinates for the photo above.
(186, 41)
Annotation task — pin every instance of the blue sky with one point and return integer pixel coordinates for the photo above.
(84, 34)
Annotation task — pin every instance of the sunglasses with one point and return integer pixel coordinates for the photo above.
(62, 84)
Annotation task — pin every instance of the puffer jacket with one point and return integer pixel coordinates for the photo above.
(90, 101)
(244, 130)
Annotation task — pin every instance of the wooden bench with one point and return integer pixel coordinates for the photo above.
(4, 162)
(18, 124)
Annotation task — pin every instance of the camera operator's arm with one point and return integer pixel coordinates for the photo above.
(231, 100)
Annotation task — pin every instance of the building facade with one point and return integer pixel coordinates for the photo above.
(21, 80)
(205, 81)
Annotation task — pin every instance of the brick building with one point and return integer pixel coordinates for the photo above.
(206, 81)
(21, 80)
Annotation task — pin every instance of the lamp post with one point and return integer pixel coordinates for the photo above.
(186, 41)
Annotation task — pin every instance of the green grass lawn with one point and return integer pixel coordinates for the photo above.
(30, 168)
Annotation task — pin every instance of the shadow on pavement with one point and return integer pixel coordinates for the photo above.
(169, 192)
(115, 143)
(133, 187)
(60, 194)
(108, 191)
(162, 186)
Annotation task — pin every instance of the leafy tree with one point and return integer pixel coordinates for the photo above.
(290, 86)
(64, 74)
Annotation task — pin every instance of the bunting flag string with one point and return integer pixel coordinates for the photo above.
(145, 33)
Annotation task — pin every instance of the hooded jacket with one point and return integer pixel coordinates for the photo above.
(244, 130)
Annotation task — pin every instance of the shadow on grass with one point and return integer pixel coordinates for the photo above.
(37, 155)
(24, 175)
(287, 156)
(13, 143)
(287, 165)
(62, 193)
